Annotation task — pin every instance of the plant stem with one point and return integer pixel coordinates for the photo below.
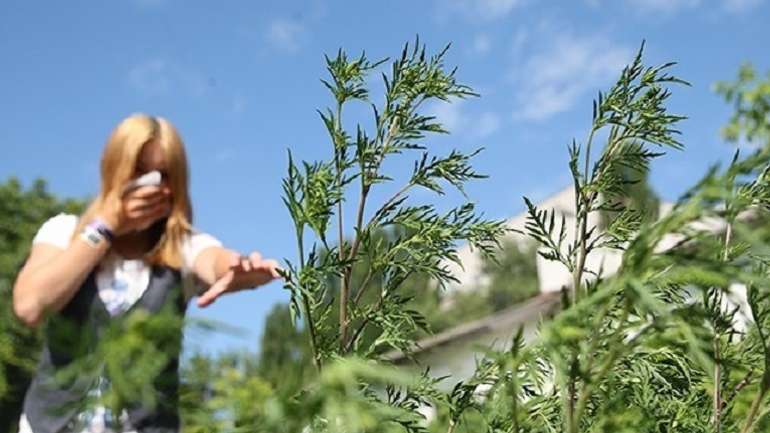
(572, 422)
(764, 385)
(717, 387)
(365, 192)
(717, 351)
(577, 273)
(363, 286)
(367, 319)
(581, 224)
(750, 418)
(341, 227)
(389, 202)
(581, 221)
(586, 166)
(344, 290)
(306, 305)
(515, 411)
(452, 424)
(360, 329)
(344, 296)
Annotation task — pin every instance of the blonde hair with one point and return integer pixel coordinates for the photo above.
(118, 164)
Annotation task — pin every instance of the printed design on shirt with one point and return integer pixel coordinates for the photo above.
(121, 283)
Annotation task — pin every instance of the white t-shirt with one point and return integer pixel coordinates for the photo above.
(120, 282)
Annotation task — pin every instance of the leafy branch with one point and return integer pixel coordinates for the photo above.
(314, 192)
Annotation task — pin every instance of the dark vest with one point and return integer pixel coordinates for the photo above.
(54, 399)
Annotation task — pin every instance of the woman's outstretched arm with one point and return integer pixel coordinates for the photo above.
(227, 271)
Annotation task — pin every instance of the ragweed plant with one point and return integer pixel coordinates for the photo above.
(663, 344)
(316, 194)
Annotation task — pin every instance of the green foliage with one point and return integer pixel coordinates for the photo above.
(223, 394)
(22, 211)
(424, 239)
(750, 96)
(512, 275)
(285, 361)
(657, 347)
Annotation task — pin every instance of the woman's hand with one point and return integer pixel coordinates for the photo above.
(242, 272)
(137, 210)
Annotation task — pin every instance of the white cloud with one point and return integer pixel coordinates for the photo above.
(479, 9)
(519, 39)
(450, 115)
(554, 79)
(740, 6)
(496, 8)
(663, 6)
(158, 76)
(670, 7)
(455, 118)
(285, 34)
(487, 124)
(482, 43)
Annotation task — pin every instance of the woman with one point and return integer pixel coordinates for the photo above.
(131, 249)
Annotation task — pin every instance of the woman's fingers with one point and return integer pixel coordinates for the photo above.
(234, 261)
(145, 199)
(136, 206)
(219, 287)
(272, 266)
(146, 192)
(255, 260)
(246, 264)
(257, 270)
(157, 212)
(147, 209)
(147, 218)
(268, 267)
(258, 264)
(263, 271)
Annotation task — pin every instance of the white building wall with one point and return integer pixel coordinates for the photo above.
(552, 276)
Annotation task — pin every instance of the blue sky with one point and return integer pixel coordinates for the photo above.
(241, 82)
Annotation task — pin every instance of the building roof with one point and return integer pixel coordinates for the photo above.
(544, 304)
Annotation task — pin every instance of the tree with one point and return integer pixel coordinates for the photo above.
(750, 96)
(223, 394)
(512, 276)
(22, 212)
(285, 360)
